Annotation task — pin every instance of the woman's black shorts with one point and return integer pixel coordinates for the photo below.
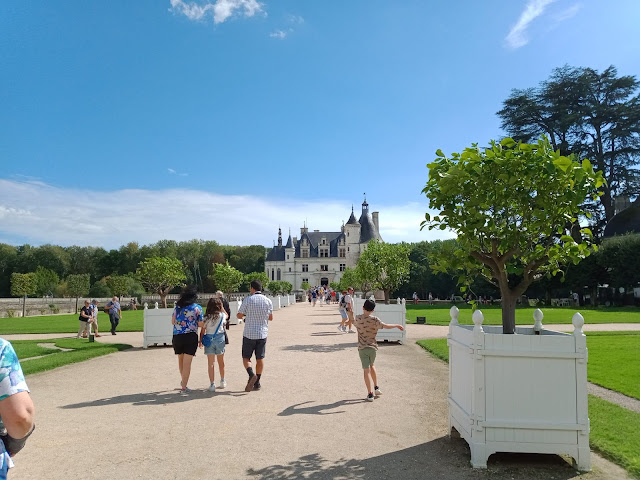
(185, 343)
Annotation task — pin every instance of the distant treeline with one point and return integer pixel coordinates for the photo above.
(616, 264)
(55, 263)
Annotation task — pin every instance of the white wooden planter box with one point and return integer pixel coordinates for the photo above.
(388, 314)
(519, 393)
(157, 327)
(233, 308)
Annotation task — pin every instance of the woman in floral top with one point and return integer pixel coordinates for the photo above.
(187, 317)
(16, 407)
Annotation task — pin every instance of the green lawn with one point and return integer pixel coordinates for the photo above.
(615, 432)
(439, 314)
(131, 321)
(614, 363)
(81, 350)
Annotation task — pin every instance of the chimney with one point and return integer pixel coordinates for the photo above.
(375, 221)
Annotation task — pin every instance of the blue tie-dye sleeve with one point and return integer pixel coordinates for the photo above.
(11, 376)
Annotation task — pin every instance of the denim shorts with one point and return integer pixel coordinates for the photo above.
(216, 347)
(343, 313)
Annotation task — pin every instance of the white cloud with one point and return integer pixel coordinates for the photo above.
(517, 36)
(39, 214)
(278, 34)
(220, 9)
(296, 19)
(173, 172)
(567, 13)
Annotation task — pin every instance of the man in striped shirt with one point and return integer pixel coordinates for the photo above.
(257, 311)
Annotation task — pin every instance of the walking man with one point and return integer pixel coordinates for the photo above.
(94, 317)
(115, 313)
(257, 311)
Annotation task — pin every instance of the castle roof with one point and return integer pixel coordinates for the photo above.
(626, 221)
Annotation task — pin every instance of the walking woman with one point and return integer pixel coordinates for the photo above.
(212, 337)
(187, 317)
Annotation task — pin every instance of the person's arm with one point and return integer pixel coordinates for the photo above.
(173, 318)
(270, 316)
(83, 313)
(17, 412)
(392, 325)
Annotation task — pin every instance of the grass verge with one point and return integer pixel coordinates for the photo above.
(439, 314)
(80, 350)
(131, 321)
(615, 431)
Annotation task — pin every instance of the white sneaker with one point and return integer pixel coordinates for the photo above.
(340, 327)
(370, 397)
(351, 331)
(223, 383)
(344, 329)
(377, 392)
(212, 387)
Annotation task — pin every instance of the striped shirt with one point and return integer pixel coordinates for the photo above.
(256, 309)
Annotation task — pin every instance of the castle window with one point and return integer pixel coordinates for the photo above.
(287, 257)
(324, 252)
(305, 280)
(342, 252)
(324, 241)
(324, 268)
(305, 253)
(289, 269)
(305, 267)
(273, 274)
(279, 275)
(343, 267)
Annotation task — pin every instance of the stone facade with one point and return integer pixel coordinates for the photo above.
(319, 258)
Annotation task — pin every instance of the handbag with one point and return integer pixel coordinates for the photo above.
(207, 339)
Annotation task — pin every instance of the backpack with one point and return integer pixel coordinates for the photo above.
(343, 302)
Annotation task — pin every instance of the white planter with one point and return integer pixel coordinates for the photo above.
(522, 393)
(158, 328)
(393, 313)
(233, 307)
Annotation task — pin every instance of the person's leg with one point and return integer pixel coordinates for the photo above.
(210, 368)
(374, 375)
(81, 328)
(367, 379)
(259, 366)
(112, 320)
(186, 369)
(95, 327)
(221, 365)
(350, 319)
(180, 363)
(248, 347)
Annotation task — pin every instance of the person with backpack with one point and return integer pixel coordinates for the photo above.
(345, 307)
(212, 337)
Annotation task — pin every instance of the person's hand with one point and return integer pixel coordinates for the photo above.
(200, 344)
(400, 327)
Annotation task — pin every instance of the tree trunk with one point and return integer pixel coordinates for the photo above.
(163, 299)
(508, 313)
(24, 306)
(76, 304)
(386, 296)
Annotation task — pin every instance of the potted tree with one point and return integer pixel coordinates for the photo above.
(515, 208)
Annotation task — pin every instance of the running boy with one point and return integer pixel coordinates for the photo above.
(368, 326)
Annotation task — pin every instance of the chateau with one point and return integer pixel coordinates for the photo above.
(319, 258)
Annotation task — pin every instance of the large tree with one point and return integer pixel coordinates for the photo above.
(590, 114)
(46, 281)
(161, 275)
(227, 278)
(513, 206)
(23, 285)
(78, 286)
(385, 265)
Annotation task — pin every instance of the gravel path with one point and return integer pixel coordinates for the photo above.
(119, 416)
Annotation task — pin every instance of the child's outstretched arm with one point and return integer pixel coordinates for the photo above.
(392, 325)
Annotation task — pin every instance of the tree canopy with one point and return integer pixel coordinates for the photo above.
(590, 114)
(385, 266)
(227, 278)
(161, 275)
(513, 207)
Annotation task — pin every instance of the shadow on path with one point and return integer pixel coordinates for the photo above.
(317, 409)
(321, 348)
(443, 458)
(152, 398)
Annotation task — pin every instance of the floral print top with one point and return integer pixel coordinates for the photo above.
(187, 319)
(11, 382)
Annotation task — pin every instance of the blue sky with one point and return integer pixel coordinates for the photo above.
(224, 119)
